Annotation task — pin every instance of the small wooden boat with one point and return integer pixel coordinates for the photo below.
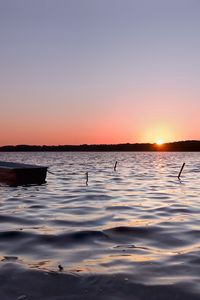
(21, 174)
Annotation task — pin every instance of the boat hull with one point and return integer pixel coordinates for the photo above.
(22, 174)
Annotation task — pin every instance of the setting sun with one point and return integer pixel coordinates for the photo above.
(159, 142)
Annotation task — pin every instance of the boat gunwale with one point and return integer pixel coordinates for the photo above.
(19, 166)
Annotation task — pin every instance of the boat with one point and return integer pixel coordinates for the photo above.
(15, 174)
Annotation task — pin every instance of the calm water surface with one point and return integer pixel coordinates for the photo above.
(139, 221)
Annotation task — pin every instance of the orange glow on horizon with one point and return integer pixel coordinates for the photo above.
(160, 133)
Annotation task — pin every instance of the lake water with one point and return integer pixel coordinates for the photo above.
(133, 233)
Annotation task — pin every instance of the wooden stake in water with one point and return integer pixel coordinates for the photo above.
(115, 167)
(86, 178)
(181, 170)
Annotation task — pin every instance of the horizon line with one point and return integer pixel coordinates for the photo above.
(94, 144)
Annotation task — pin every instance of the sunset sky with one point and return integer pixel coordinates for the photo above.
(99, 71)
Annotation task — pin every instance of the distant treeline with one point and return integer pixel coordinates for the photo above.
(175, 146)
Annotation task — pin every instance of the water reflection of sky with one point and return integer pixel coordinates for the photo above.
(139, 218)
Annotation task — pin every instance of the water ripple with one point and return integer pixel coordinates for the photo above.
(139, 221)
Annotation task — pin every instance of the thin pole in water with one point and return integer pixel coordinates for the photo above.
(86, 178)
(115, 167)
(181, 170)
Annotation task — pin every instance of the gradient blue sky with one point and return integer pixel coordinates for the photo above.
(99, 71)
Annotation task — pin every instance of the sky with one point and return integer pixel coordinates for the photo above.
(99, 71)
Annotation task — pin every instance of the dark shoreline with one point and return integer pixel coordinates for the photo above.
(180, 146)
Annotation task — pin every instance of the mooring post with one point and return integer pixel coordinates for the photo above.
(86, 178)
(181, 170)
(115, 167)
